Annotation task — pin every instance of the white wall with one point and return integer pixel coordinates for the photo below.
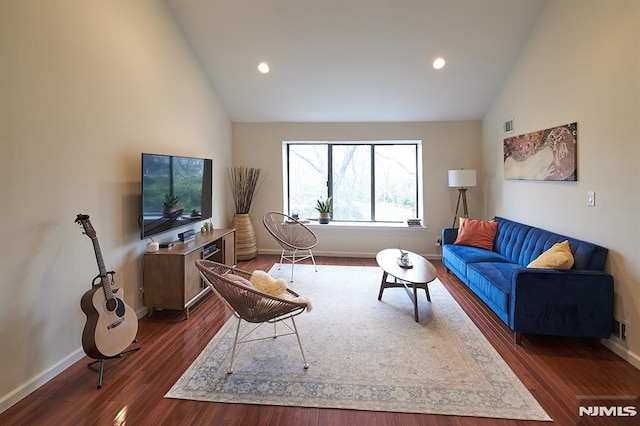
(85, 88)
(446, 145)
(581, 64)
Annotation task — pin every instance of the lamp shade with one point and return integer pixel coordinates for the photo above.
(462, 178)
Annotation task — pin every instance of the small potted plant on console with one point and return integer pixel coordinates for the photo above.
(324, 208)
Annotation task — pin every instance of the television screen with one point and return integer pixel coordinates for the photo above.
(176, 191)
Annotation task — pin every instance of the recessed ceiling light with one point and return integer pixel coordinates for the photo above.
(263, 67)
(439, 63)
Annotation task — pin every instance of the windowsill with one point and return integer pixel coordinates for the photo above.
(363, 225)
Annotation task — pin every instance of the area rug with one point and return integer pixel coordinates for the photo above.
(364, 354)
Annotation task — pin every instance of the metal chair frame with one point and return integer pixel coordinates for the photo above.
(248, 304)
(293, 236)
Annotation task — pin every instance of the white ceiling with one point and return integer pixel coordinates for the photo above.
(356, 60)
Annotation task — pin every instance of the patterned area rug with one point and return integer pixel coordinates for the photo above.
(364, 354)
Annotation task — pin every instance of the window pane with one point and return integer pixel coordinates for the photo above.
(351, 182)
(308, 174)
(396, 185)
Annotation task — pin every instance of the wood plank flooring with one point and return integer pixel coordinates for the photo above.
(555, 370)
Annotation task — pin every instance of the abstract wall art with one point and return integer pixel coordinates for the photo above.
(543, 155)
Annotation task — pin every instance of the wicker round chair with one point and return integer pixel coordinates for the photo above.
(292, 236)
(249, 304)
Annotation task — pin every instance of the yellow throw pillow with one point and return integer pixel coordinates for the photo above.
(559, 256)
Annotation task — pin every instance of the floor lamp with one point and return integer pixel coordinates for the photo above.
(461, 179)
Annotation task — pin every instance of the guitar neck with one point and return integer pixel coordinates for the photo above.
(103, 270)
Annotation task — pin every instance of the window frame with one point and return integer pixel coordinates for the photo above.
(329, 178)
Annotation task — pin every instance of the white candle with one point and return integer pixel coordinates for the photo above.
(153, 247)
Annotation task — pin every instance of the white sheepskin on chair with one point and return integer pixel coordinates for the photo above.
(265, 283)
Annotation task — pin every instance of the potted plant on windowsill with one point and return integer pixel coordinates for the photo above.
(324, 208)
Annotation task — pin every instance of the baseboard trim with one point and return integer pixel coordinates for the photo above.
(22, 391)
(623, 352)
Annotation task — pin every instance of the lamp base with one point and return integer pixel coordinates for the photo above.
(462, 195)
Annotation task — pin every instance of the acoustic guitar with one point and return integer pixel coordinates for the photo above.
(111, 324)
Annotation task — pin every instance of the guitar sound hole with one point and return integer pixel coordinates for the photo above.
(116, 305)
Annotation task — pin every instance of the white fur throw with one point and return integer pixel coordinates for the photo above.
(265, 283)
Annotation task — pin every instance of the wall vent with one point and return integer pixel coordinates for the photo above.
(619, 329)
(507, 127)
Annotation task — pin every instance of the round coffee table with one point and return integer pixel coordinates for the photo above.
(418, 276)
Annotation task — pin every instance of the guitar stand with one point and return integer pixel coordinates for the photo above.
(102, 360)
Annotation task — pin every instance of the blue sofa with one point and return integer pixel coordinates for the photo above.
(575, 303)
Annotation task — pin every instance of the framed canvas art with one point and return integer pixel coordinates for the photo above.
(542, 155)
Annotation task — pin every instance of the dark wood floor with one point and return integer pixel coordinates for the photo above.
(555, 370)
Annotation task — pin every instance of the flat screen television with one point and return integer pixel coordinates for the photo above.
(176, 191)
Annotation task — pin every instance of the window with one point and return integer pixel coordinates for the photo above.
(368, 181)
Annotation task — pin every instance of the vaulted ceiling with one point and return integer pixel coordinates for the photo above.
(356, 60)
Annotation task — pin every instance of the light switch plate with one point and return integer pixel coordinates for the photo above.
(591, 198)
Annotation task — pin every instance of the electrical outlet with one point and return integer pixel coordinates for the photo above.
(438, 242)
(591, 198)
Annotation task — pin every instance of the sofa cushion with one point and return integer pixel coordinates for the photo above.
(461, 256)
(477, 233)
(492, 282)
(559, 256)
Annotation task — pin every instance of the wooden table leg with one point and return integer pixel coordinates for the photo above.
(415, 301)
(382, 284)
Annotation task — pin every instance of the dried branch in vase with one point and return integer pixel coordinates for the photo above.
(244, 183)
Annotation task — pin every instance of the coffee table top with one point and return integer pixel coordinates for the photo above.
(422, 271)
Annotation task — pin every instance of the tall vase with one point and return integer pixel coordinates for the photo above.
(246, 244)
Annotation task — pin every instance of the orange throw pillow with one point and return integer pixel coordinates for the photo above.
(477, 233)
